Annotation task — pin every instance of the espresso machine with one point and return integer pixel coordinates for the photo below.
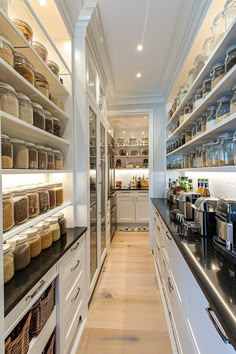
(186, 199)
(204, 214)
(225, 239)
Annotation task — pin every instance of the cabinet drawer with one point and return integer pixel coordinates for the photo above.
(72, 327)
(72, 297)
(72, 269)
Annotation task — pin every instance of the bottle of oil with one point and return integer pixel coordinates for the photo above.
(206, 188)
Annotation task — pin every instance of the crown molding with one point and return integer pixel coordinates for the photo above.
(136, 100)
(69, 11)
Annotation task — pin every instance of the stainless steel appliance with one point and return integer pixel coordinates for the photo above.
(186, 199)
(111, 165)
(204, 214)
(113, 215)
(226, 222)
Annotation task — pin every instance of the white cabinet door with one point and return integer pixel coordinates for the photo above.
(125, 207)
(142, 207)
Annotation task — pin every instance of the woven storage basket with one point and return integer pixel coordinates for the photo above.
(20, 345)
(49, 349)
(42, 310)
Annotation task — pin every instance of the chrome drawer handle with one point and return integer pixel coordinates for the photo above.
(77, 294)
(168, 236)
(75, 247)
(74, 268)
(171, 288)
(42, 282)
(217, 326)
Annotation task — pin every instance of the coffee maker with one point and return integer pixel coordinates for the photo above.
(204, 214)
(186, 199)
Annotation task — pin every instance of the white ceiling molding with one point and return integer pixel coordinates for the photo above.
(70, 12)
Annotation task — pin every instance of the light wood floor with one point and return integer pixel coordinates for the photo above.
(126, 314)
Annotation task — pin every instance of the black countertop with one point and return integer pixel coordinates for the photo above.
(214, 274)
(24, 280)
(132, 189)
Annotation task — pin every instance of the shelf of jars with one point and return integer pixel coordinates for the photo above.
(205, 169)
(30, 171)
(131, 168)
(226, 126)
(217, 55)
(22, 45)
(131, 156)
(19, 83)
(33, 221)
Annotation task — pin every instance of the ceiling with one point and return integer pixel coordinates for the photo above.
(129, 122)
(167, 37)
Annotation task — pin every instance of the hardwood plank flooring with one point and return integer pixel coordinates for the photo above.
(126, 314)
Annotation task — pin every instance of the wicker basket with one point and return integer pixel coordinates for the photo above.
(42, 310)
(50, 347)
(20, 345)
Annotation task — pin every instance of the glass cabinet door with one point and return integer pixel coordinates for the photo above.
(93, 192)
(103, 187)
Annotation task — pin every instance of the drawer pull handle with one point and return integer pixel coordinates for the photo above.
(77, 294)
(171, 288)
(75, 247)
(164, 262)
(42, 282)
(217, 326)
(168, 236)
(74, 268)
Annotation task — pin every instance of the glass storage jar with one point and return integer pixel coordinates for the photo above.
(206, 87)
(21, 206)
(192, 159)
(41, 84)
(52, 196)
(194, 131)
(41, 50)
(33, 198)
(59, 194)
(226, 150)
(186, 160)
(20, 154)
(6, 50)
(191, 76)
(218, 26)
(230, 12)
(199, 162)
(199, 126)
(212, 154)
(45, 234)
(208, 46)
(55, 228)
(233, 100)
(7, 152)
(8, 263)
(61, 222)
(183, 90)
(181, 117)
(199, 63)
(43, 199)
(54, 68)
(48, 122)
(51, 159)
(217, 73)
(34, 240)
(59, 164)
(204, 121)
(223, 108)
(188, 135)
(230, 58)
(24, 67)
(39, 116)
(33, 156)
(57, 127)
(8, 99)
(24, 28)
(7, 211)
(186, 112)
(211, 117)
(25, 108)
(198, 98)
(21, 252)
(42, 157)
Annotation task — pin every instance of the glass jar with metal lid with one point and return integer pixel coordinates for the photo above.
(21, 206)
(48, 122)
(21, 252)
(24, 67)
(55, 228)
(8, 263)
(226, 150)
(7, 211)
(183, 90)
(208, 46)
(218, 26)
(51, 159)
(57, 127)
(186, 160)
(24, 28)
(206, 87)
(212, 154)
(59, 194)
(33, 155)
(199, 63)
(230, 58)
(6, 50)
(211, 117)
(8, 99)
(7, 152)
(20, 154)
(223, 108)
(194, 130)
(188, 135)
(39, 116)
(45, 234)
(33, 198)
(199, 161)
(43, 199)
(41, 50)
(42, 157)
(52, 195)
(233, 100)
(34, 240)
(198, 98)
(217, 73)
(54, 68)
(25, 108)
(230, 12)
(41, 84)
(61, 222)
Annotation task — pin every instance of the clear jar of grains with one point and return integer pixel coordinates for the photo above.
(42, 157)
(58, 159)
(226, 150)
(43, 199)
(57, 127)
(52, 195)
(21, 251)
(33, 198)
(24, 67)
(7, 211)
(25, 108)
(8, 263)
(33, 155)
(21, 206)
(48, 122)
(20, 154)
(41, 84)
(59, 194)
(55, 228)
(39, 116)
(7, 152)
(218, 27)
(6, 50)
(34, 240)
(51, 159)
(45, 234)
(223, 108)
(61, 222)
(8, 99)
(217, 73)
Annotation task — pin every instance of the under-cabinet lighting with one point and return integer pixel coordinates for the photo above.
(138, 75)
(42, 2)
(145, 117)
(140, 47)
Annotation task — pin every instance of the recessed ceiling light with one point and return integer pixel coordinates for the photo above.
(145, 117)
(138, 75)
(123, 132)
(140, 47)
(42, 2)
(143, 132)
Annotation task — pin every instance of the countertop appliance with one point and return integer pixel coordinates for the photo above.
(186, 199)
(204, 214)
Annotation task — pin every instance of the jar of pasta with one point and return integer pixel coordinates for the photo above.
(25, 108)
(24, 28)
(55, 228)
(6, 50)
(61, 222)
(39, 116)
(8, 99)
(33, 198)
(20, 154)
(21, 206)
(7, 152)
(43, 199)
(21, 252)
(34, 240)
(8, 263)
(59, 194)
(42, 157)
(58, 160)
(45, 234)
(24, 67)
(7, 211)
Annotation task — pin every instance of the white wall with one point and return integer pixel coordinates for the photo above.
(126, 176)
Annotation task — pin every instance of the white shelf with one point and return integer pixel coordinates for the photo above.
(19, 228)
(221, 89)
(12, 77)
(132, 168)
(15, 127)
(27, 172)
(127, 146)
(217, 55)
(227, 125)
(206, 169)
(23, 46)
(131, 156)
(37, 344)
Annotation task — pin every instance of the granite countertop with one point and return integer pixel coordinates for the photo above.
(24, 280)
(214, 274)
(132, 189)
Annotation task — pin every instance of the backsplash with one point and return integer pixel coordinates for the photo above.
(127, 175)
